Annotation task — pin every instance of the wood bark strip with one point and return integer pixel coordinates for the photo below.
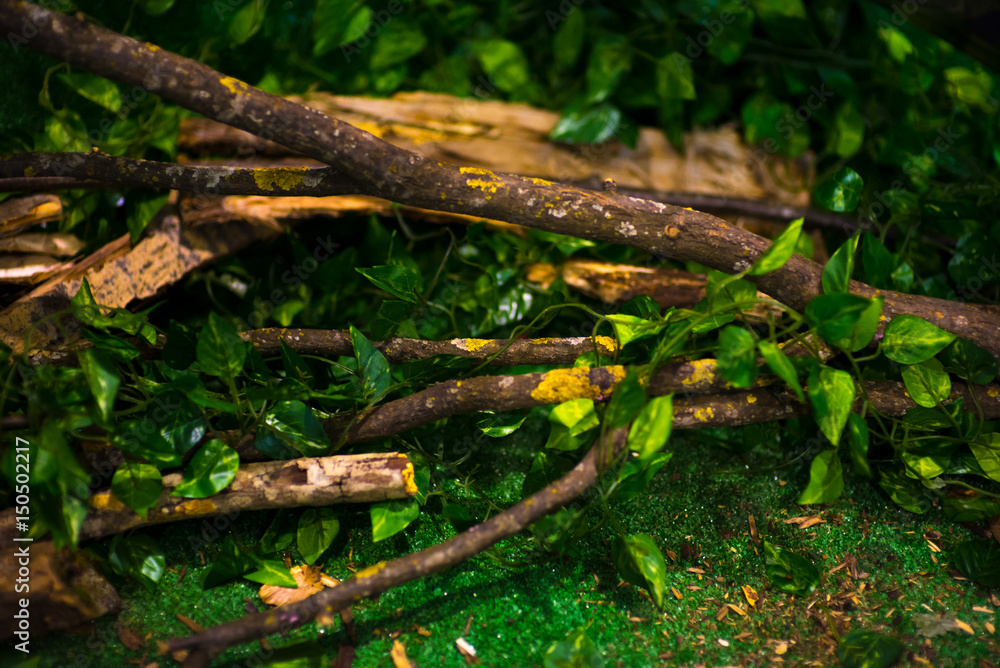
(309, 481)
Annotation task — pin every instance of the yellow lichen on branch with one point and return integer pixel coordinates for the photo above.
(562, 385)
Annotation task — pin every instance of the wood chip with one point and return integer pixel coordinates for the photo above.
(398, 655)
(467, 650)
(965, 627)
(751, 595)
(190, 623)
(805, 521)
(679, 596)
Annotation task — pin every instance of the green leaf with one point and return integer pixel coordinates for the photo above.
(610, 58)
(649, 432)
(857, 429)
(571, 420)
(294, 425)
(328, 24)
(969, 509)
(781, 365)
(317, 529)
(640, 562)
(907, 493)
(737, 356)
(790, 572)
(272, 572)
(636, 474)
(627, 400)
(568, 39)
(94, 88)
(863, 648)
(221, 352)
(140, 439)
(838, 270)
(280, 533)
(372, 367)
(978, 561)
(356, 27)
(967, 360)
(911, 340)
(986, 448)
(840, 192)
(826, 479)
(137, 485)
(210, 471)
(846, 321)
(391, 517)
(546, 468)
(399, 41)
(397, 280)
(185, 426)
(504, 62)
(102, 377)
(780, 250)
(877, 261)
(142, 213)
(155, 7)
(577, 650)
(138, 556)
(590, 125)
(848, 133)
(674, 77)
(247, 21)
(927, 383)
(831, 393)
(228, 562)
(502, 424)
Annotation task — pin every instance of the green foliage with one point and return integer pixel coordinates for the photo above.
(640, 562)
(790, 572)
(862, 648)
(576, 651)
(317, 529)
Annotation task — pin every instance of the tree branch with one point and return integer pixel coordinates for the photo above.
(382, 577)
(384, 170)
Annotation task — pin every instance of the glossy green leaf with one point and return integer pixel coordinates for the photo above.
(391, 517)
(826, 479)
(272, 572)
(927, 383)
(504, 62)
(568, 39)
(142, 212)
(840, 192)
(640, 562)
(838, 270)
(220, 350)
(967, 360)
(94, 88)
(295, 425)
(649, 432)
(576, 651)
(857, 429)
(247, 21)
(627, 400)
(228, 561)
(609, 59)
(863, 648)
(138, 556)
(185, 426)
(400, 39)
(155, 7)
(280, 534)
(790, 572)
(969, 509)
(137, 485)
(329, 22)
(571, 420)
(102, 377)
(630, 328)
(877, 261)
(590, 125)
(317, 529)
(846, 321)
(779, 363)
(501, 424)
(397, 280)
(848, 130)
(635, 476)
(979, 561)
(140, 439)
(372, 367)
(986, 448)
(737, 356)
(356, 27)
(780, 250)
(911, 340)
(908, 494)
(674, 77)
(210, 471)
(831, 393)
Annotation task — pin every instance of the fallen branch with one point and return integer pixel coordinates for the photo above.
(386, 575)
(320, 481)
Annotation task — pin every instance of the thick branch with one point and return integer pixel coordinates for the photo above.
(384, 576)
(318, 481)
(134, 173)
(386, 171)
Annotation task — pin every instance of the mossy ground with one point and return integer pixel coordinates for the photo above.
(697, 509)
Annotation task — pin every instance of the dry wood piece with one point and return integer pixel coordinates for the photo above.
(310, 481)
(67, 589)
(23, 212)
